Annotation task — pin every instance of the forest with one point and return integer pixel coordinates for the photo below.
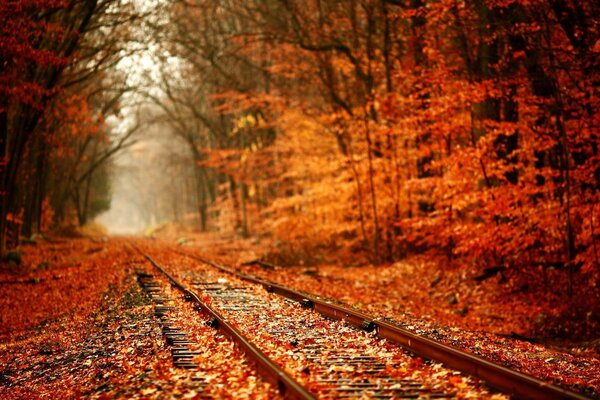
(364, 130)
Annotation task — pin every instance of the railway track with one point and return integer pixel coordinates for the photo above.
(308, 347)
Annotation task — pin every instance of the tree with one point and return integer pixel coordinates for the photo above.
(60, 59)
(38, 39)
(464, 129)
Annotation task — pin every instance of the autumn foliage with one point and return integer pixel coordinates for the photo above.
(462, 129)
(364, 131)
(56, 90)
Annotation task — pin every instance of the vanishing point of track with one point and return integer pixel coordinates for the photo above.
(350, 369)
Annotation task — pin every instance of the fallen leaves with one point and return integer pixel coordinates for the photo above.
(76, 327)
(484, 318)
(62, 289)
(329, 357)
(95, 337)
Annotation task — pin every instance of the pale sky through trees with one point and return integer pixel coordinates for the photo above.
(130, 212)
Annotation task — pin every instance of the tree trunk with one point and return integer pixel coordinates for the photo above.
(236, 204)
(245, 230)
(3, 165)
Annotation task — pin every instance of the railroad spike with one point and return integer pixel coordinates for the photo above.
(368, 325)
(213, 323)
(307, 303)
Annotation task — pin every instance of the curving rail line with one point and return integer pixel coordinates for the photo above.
(501, 378)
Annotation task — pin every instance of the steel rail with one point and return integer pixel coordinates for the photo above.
(515, 383)
(269, 371)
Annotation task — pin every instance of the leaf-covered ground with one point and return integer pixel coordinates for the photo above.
(526, 323)
(74, 322)
(307, 345)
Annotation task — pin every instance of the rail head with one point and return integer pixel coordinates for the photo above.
(288, 387)
(515, 383)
